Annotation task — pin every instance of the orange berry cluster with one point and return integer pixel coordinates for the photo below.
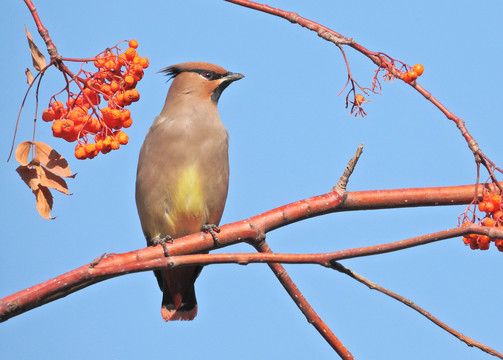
(98, 130)
(491, 204)
(411, 75)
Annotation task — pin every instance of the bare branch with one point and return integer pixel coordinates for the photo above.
(411, 304)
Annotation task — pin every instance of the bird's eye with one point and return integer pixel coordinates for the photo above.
(207, 75)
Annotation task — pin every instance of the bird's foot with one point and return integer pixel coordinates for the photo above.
(162, 241)
(212, 229)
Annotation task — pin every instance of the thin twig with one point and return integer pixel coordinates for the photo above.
(350, 167)
(468, 341)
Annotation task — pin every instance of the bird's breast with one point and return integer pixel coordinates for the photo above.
(187, 203)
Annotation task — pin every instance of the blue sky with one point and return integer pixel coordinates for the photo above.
(290, 138)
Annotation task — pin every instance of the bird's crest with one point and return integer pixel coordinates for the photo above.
(192, 66)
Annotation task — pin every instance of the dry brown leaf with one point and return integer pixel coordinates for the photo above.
(38, 58)
(44, 201)
(51, 180)
(52, 160)
(29, 76)
(29, 176)
(22, 152)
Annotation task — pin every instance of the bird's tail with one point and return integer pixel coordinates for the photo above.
(179, 297)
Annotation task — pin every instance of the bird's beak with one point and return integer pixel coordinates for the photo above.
(230, 76)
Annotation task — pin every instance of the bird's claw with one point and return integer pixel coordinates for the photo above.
(212, 229)
(162, 241)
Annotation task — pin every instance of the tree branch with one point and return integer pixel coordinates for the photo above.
(373, 286)
(304, 306)
(250, 230)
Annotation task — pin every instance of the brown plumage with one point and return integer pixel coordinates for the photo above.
(183, 173)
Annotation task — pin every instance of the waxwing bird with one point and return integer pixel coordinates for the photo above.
(183, 173)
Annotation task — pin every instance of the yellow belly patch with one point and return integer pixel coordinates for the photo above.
(187, 201)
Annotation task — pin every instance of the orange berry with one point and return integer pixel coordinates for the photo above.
(70, 102)
(56, 128)
(474, 245)
(78, 130)
(409, 76)
(482, 206)
(77, 115)
(466, 223)
(125, 114)
(114, 86)
(130, 53)
(112, 118)
(101, 75)
(405, 77)
(466, 240)
(93, 125)
(80, 152)
(412, 75)
(99, 145)
(496, 200)
(484, 242)
(67, 126)
(489, 207)
(137, 76)
(122, 137)
(90, 148)
(121, 59)
(106, 89)
(107, 141)
(488, 222)
(119, 99)
(418, 68)
(359, 98)
(48, 115)
(129, 81)
(110, 65)
(57, 106)
(137, 69)
(106, 112)
(82, 103)
(499, 244)
(498, 215)
(93, 97)
(133, 43)
(116, 114)
(127, 123)
(127, 98)
(115, 144)
(144, 62)
(134, 95)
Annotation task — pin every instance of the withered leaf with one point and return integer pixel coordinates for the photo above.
(29, 176)
(38, 58)
(44, 201)
(52, 160)
(51, 180)
(29, 76)
(22, 152)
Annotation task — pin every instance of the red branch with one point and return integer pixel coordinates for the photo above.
(249, 230)
(312, 317)
(44, 33)
(120, 264)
